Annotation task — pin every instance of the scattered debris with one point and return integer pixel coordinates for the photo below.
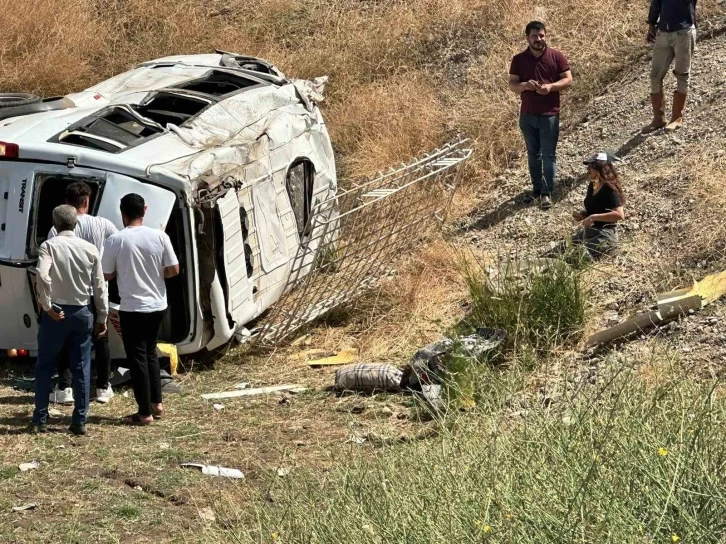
(207, 514)
(670, 306)
(432, 393)
(356, 438)
(54, 412)
(309, 354)
(24, 467)
(169, 350)
(164, 446)
(218, 406)
(294, 388)
(344, 357)
(369, 377)
(428, 365)
(305, 340)
(212, 470)
(282, 472)
(25, 507)
(243, 385)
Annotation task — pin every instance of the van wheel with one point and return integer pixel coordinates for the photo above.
(10, 100)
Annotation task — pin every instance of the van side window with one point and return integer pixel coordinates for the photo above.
(299, 183)
(50, 191)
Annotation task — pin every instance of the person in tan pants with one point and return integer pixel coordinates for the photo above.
(672, 31)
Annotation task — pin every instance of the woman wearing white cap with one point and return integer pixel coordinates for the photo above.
(603, 208)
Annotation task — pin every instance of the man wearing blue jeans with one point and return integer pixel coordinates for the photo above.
(69, 274)
(538, 74)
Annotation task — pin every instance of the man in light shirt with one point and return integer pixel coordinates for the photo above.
(141, 258)
(95, 230)
(69, 273)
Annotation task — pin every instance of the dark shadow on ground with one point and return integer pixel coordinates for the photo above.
(476, 221)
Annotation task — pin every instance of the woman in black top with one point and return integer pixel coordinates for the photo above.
(603, 208)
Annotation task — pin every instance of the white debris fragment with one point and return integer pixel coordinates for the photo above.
(211, 470)
(283, 471)
(218, 406)
(24, 467)
(25, 507)
(207, 514)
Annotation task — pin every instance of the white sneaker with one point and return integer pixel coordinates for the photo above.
(104, 395)
(62, 396)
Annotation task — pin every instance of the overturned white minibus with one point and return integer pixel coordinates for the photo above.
(230, 156)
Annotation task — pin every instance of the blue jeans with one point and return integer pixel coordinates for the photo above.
(75, 331)
(541, 133)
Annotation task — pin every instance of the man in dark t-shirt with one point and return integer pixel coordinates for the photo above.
(538, 74)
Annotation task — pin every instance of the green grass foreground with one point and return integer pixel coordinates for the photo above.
(620, 461)
(634, 455)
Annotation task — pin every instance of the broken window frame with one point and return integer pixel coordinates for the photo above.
(302, 224)
(104, 143)
(41, 178)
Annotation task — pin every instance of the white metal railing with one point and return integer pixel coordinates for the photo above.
(357, 237)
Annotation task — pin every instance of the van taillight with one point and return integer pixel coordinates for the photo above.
(9, 151)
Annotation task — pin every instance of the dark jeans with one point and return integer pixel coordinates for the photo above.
(541, 133)
(103, 365)
(75, 331)
(588, 244)
(103, 362)
(140, 332)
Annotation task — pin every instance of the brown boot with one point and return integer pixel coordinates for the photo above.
(679, 102)
(659, 118)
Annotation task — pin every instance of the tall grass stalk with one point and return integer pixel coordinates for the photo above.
(622, 461)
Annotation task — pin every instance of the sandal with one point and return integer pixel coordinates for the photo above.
(135, 419)
(158, 415)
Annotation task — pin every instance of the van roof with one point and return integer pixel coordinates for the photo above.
(157, 112)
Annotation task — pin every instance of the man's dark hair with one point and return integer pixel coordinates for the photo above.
(132, 206)
(76, 193)
(534, 25)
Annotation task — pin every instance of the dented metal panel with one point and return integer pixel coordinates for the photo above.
(234, 252)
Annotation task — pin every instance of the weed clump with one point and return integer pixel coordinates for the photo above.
(540, 303)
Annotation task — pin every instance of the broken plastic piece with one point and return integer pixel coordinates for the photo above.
(212, 470)
(169, 350)
(308, 354)
(294, 388)
(23, 508)
(24, 467)
(345, 357)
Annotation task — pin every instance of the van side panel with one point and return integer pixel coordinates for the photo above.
(18, 319)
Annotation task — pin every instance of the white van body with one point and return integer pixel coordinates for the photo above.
(229, 155)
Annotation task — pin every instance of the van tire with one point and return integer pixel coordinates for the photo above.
(13, 100)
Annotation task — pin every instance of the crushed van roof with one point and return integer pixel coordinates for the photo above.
(236, 105)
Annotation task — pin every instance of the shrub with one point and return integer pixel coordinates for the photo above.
(540, 303)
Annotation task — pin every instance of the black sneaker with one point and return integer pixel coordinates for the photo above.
(38, 428)
(545, 202)
(78, 430)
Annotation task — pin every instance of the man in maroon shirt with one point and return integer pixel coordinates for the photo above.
(538, 74)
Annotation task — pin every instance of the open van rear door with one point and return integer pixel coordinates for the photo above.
(160, 202)
(235, 281)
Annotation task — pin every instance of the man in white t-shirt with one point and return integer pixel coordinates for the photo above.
(95, 230)
(140, 258)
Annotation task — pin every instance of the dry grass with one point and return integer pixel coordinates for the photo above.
(404, 74)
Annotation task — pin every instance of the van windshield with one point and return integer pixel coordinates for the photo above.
(49, 193)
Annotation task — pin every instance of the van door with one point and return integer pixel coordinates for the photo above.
(160, 202)
(233, 272)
